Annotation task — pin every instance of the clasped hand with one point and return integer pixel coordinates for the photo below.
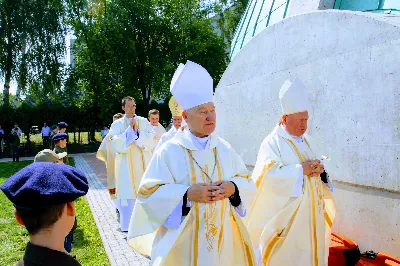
(134, 125)
(204, 193)
(313, 168)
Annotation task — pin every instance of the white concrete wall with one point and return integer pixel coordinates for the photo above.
(353, 78)
(302, 6)
(350, 62)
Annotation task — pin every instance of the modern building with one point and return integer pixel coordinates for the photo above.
(72, 59)
(347, 53)
(260, 14)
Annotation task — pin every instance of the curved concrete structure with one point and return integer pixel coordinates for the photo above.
(350, 62)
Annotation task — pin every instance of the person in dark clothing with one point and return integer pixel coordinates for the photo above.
(43, 194)
(14, 144)
(1, 140)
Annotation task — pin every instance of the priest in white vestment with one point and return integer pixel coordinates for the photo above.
(157, 131)
(195, 189)
(106, 154)
(291, 218)
(178, 126)
(129, 137)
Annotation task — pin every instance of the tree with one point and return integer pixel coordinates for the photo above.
(230, 13)
(132, 47)
(32, 44)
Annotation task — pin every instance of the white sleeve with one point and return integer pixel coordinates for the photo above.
(131, 135)
(298, 188)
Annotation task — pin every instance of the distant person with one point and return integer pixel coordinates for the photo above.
(106, 154)
(49, 156)
(177, 126)
(1, 140)
(15, 143)
(46, 132)
(60, 142)
(19, 131)
(43, 195)
(157, 131)
(104, 132)
(54, 130)
(62, 127)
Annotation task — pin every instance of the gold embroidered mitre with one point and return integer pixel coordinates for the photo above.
(174, 106)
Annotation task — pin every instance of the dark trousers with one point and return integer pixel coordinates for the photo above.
(70, 237)
(15, 154)
(46, 142)
(68, 241)
(1, 140)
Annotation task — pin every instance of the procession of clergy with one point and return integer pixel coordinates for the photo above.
(185, 197)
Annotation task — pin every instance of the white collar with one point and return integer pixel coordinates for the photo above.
(295, 138)
(189, 141)
(200, 143)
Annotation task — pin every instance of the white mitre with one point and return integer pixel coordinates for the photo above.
(191, 85)
(294, 97)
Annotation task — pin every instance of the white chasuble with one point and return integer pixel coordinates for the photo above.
(168, 135)
(211, 234)
(286, 229)
(157, 132)
(106, 154)
(130, 162)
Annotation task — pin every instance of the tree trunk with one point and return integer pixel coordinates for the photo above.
(7, 77)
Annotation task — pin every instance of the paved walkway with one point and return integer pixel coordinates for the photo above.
(117, 249)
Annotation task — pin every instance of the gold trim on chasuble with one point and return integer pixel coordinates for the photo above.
(196, 210)
(210, 213)
(267, 166)
(147, 192)
(320, 196)
(131, 168)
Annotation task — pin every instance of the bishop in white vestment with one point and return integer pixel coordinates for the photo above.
(129, 137)
(178, 126)
(195, 190)
(291, 218)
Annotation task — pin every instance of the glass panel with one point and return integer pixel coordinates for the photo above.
(254, 17)
(278, 3)
(260, 26)
(357, 5)
(265, 10)
(277, 15)
(388, 4)
(241, 30)
(247, 38)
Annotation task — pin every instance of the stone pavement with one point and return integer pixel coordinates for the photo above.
(117, 249)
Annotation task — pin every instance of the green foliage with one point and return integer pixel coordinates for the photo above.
(32, 46)
(229, 14)
(122, 47)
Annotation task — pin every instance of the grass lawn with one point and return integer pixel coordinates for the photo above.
(87, 245)
(37, 138)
